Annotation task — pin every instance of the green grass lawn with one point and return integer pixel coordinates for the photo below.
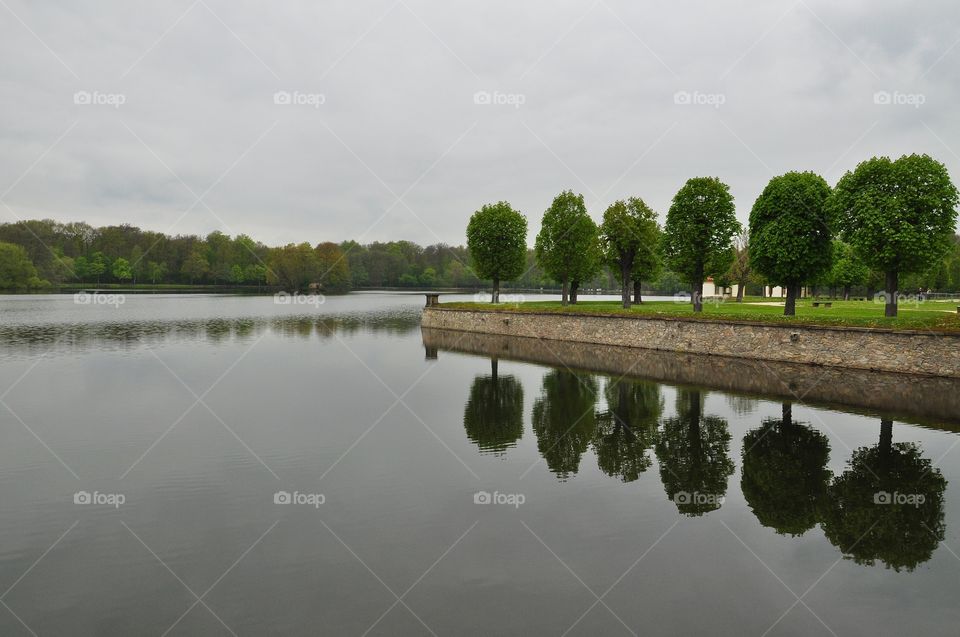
(929, 315)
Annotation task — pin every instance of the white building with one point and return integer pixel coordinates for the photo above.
(710, 289)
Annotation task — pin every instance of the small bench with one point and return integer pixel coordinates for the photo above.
(433, 298)
(826, 304)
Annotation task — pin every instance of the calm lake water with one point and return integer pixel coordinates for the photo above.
(206, 465)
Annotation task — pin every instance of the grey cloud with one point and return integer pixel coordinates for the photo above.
(598, 84)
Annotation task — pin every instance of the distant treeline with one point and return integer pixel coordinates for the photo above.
(45, 253)
(36, 254)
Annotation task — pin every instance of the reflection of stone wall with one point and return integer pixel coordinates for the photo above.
(912, 352)
(929, 399)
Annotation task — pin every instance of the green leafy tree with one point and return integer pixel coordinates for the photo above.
(899, 216)
(138, 267)
(698, 232)
(493, 415)
(497, 240)
(790, 232)
(592, 264)
(887, 506)
(567, 247)
(648, 264)
(97, 265)
(334, 267)
(196, 266)
(693, 452)
(785, 474)
(740, 271)
(848, 269)
(564, 420)
(628, 229)
(294, 267)
(156, 271)
(236, 274)
(121, 269)
(16, 269)
(628, 428)
(255, 273)
(428, 277)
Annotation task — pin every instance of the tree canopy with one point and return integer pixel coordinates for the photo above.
(629, 230)
(790, 232)
(16, 269)
(567, 246)
(497, 240)
(698, 232)
(899, 216)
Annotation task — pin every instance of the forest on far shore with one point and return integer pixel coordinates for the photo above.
(37, 254)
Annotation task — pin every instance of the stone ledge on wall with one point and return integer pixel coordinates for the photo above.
(903, 352)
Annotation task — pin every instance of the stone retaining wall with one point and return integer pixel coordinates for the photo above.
(902, 351)
(927, 400)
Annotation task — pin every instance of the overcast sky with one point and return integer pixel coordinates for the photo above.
(413, 114)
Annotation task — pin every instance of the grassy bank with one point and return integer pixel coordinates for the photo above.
(928, 315)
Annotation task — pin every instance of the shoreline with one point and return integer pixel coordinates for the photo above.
(914, 352)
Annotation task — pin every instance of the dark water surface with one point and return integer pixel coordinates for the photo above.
(619, 505)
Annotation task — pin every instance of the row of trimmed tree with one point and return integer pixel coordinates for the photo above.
(898, 216)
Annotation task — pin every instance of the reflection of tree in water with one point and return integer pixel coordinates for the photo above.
(628, 428)
(693, 452)
(872, 513)
(135, 332)
(564, 420)
(785, 474)
(493, 416)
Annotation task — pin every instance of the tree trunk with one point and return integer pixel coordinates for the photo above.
(886, 437)
(846, 293)
(566, 290)
(494, 363)
(574, 287)
(740, 286)
(891, 305)
(787, 414)
(698, 296)
(790, 307)
(637, 295)
(625, 284)
(496, 291)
